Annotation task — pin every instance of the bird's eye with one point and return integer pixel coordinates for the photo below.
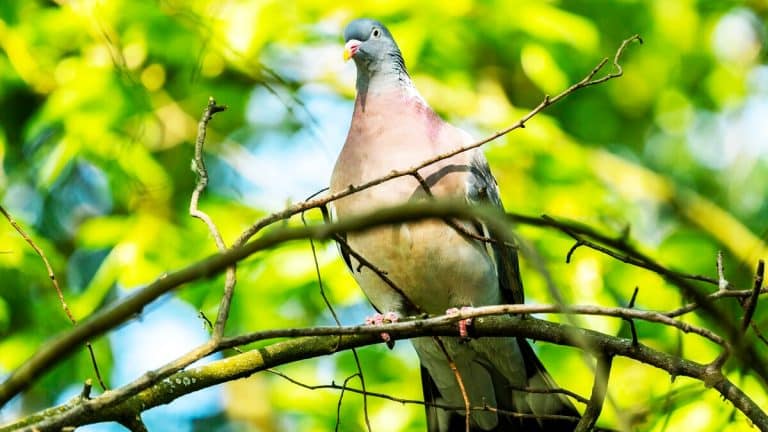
(376, 33)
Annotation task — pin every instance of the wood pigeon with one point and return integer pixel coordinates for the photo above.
(435, 265)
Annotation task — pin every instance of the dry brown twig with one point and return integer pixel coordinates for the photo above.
(459, 381)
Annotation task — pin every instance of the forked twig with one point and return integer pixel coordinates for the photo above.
(198, 166)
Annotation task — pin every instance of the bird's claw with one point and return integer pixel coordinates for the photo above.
(379, 319)
(464, 323)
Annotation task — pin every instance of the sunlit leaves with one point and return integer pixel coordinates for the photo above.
(101, 100)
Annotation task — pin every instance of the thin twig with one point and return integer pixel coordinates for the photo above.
(573, 248)
(95, 364)
(751, 302)
(87, 386)
(451, 222)
(198, 167)
(207, 324)
(459, 381)
(551, 390)
(749, 305)
(55, 282)
(690, 307)
(363, 262)
(341, 398)
(338, 323)
(319, 277)
(48, 267)
(758, 333)
(631, 322)
(362, 386)
(620, 243)
(345, 248)
(334, 386)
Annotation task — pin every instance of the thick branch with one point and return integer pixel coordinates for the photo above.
(478, 312)
(125, 308)
(118, 312)
(84, 411)
(630, 255)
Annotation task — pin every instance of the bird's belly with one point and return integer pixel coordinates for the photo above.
(433, 266)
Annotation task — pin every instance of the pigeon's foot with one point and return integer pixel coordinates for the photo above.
(463, 324)
(379, 319)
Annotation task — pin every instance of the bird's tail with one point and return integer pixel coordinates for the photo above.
(517, 409)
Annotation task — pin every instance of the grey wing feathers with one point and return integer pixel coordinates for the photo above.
(482, 189)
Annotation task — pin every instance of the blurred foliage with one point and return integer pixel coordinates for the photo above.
(101, 100)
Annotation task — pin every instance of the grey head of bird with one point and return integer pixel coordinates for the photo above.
(375, 52)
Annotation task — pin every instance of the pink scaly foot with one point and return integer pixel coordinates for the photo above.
(463, 324)
(379, 319)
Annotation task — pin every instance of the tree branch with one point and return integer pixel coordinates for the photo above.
(118, 312)
(55, 282)
(587, 81)
(632, 256)
(78, 411)
(198, 166)
(751, 302)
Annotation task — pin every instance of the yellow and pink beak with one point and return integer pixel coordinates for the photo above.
(350, 48)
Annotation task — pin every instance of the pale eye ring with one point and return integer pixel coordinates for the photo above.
(376, 33)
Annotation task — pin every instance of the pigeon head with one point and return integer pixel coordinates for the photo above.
(372, 47)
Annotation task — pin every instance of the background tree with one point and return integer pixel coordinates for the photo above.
(101, 105)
